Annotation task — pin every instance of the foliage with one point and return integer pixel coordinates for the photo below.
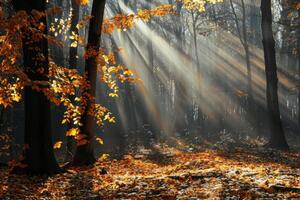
(127, 21)
(61, 84)
(198, 5)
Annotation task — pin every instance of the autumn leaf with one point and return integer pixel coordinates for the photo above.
(74, 44)
(112, 120)
(72, 132)
(112, 69)
(99, 140)
(128, 73)
(106, 59)
(113, 95)
(57, 145)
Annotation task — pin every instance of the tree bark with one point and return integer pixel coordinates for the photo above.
(38, 156)
(250, 104)
(73, 29)
(85, 153)
(72, 65)
(298, 48)
(277, 139)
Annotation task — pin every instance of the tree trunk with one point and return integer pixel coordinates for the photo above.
(85, 153)
(73, 29)
(277, 139)
(298, 47)
(180, 95)
(39, 156)
(250, 104)
(200, 76)
(72, 65)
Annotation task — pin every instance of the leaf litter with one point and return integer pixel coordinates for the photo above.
(202, 174)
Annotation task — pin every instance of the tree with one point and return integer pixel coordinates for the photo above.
(38, 152)
(180, 95)
(298, 46)
(74, 30)
(277, 139)
(73, 60)
(242, 33)
(85, 153)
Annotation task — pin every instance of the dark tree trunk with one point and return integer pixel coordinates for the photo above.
(277, 139)
(73, 28)
(85, 153)
(39, 156)
(298, 47)
(72, 65)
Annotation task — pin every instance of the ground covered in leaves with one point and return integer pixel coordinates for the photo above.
(167, 173)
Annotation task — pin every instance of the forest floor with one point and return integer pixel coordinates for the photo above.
(169, 173)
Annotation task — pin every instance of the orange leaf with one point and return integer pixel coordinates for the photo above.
(57, 145)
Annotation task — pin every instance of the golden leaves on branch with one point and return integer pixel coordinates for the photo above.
(12, 80)
(62, 86)
(76, 39)
(81, 139)
(109, 72)
(127, 21)
(144, 15)
(9, 92)
(198, 5)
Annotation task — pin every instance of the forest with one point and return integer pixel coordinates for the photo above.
(149, 99)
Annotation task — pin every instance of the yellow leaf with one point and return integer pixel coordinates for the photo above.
(57, 145)
(104, 68)
(113, 95)
(104, 157)
(72, 132)
(128, 73)
(100, 140)
(74, 44)
(112, 69)
(106, 59)
(16, 97)
(112, 120)
(52, 29)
